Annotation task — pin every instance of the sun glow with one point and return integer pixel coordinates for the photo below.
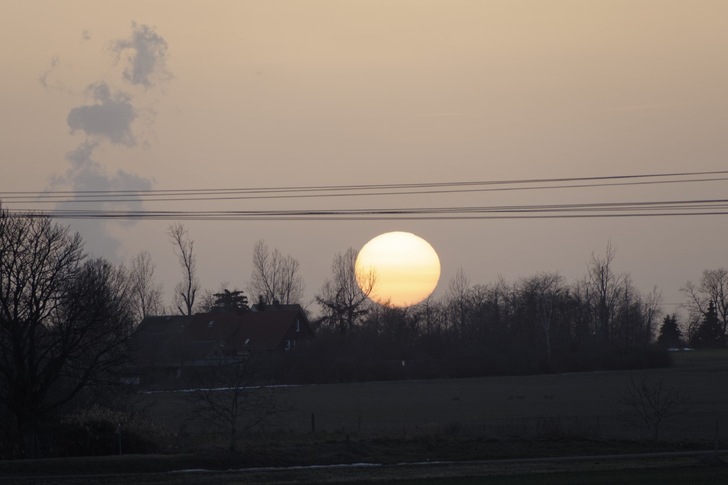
(397, 269)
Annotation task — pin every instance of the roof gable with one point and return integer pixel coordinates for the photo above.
(263, 330)
(194, 338)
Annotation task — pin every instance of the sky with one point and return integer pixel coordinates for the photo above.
(170, 95)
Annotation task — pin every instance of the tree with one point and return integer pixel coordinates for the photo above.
(223, 301)
(670, 334)
(342, 298)
(64, 320)
(543, 289)
(651, 403)
(710, 332)
(146, 295)
(186, 290)
(605, 289)
(712, 289)
(230, 301)
(457, 302)
(231, 397)
(275, 277)
(616, 316)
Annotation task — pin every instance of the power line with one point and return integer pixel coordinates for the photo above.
(697, 207)
(366, 190)
(685, 207)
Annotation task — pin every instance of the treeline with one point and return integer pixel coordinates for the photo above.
(537, 324)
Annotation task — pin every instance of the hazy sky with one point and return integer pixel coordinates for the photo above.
(120, 95)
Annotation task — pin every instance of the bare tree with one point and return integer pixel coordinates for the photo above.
(186, 290)
(232, 398)
(652, 403)
(64, 320)
(276, 278)
(713, 287)
(604, 286)
(343, 297)
(545, 288)
(457, 301)
(146, 295)
(651, 312)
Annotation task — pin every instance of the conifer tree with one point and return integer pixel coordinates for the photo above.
(710, 333)
(670, 334)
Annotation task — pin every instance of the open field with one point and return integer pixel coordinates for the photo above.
(575, 404)
(514, 430)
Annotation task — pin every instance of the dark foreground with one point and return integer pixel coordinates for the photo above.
(626, 463)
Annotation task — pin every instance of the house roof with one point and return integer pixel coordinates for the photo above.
(263, 330)
(212, 326)
(176, 339)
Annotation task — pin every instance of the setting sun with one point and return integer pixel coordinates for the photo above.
(398, 269)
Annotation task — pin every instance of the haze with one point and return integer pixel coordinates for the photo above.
(135, 95)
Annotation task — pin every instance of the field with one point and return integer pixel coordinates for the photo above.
(561, 428)
(577, 404)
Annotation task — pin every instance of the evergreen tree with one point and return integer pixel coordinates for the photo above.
(710, 333)
(670, 334)
(230, 302)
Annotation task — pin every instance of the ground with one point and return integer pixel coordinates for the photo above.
(447, 430)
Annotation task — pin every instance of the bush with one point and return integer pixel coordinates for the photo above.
(95, 431)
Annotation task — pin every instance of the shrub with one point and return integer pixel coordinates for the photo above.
(96, 431)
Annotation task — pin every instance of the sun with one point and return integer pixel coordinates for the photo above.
(397, 269)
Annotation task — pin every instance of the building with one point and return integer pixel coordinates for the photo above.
(165, 348)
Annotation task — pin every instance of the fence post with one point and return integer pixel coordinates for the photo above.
(717, 429)
(118, 430)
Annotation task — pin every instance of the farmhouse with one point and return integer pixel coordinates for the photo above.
(168, 347)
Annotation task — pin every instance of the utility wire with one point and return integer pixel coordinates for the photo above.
(577, 210)
(294, 192)
(62, 199)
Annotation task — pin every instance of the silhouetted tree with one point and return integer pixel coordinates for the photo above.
(605, 289)
(652, 403)
(230, 301)
(670, 334)
(614, 316)
(231, 397)
(186, 290)
(710, 333)
(543, 292)
(145, 293)
(343, 300)
(457, 301)
(64, 320)
(712, 289)
(275, 277)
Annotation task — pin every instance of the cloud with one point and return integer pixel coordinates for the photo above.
(110, 116)
(86, 174)
(107, 117)
(146, 54)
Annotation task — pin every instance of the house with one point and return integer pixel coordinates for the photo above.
(168, 347)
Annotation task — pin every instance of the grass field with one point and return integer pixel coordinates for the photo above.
(575, 404)
(466, 422)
